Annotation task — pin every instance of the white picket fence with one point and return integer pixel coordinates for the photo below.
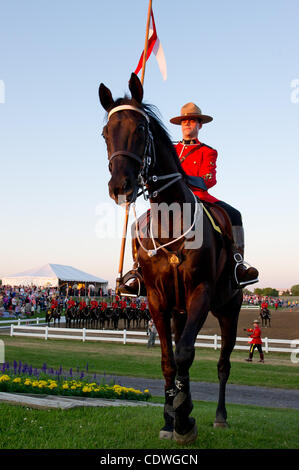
(125, 337)
(4, 324)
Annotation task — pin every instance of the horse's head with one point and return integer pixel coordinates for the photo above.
(127, 137)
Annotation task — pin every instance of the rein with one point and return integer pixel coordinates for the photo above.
(146, 160)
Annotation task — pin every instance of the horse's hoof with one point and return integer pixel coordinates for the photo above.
(166, 435)
(188, 438)
(220, 424)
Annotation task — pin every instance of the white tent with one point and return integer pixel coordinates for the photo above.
(52, 275)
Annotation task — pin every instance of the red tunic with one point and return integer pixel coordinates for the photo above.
(200, 162)
(71, 303)
(93, 304)
(256, 335)
(54, 304)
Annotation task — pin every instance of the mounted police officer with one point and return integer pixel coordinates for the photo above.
(199, 160)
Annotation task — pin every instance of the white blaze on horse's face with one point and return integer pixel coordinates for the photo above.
(125, 135)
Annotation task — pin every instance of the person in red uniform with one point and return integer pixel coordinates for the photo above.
(199, 159)
(256, 341)
(93, 304)
(71, 303)
(54, 303)
(82, 304)
(142, 306)
(104, 305)
(264, 304)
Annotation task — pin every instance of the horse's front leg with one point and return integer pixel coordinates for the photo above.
(185, 430)
(162, 322)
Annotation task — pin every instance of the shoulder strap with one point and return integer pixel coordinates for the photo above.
(198, 146)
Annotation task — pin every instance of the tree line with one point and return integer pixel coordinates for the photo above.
(271, 292)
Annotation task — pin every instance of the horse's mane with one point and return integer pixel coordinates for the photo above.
(158, 128)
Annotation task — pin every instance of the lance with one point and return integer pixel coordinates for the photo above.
(125, 228)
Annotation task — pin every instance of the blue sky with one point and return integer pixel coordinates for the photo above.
(236, 60)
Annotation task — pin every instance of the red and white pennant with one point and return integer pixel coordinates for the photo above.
(155, 46)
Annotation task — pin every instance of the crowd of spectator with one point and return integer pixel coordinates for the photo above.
(275, 302)
(22, 300)
(28, 301)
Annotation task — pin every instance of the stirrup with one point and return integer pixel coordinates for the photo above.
(240, 261)
(122, 289)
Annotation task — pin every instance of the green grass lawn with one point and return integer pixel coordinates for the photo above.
(138, 428)
(250, 427)
(137, 360)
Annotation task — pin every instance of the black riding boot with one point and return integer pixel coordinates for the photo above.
(261, 357)
(242, 275)
(249, 359)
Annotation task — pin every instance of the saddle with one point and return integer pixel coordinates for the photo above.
(222, 218)
(218, 217)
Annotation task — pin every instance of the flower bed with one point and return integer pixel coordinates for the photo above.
(72, 387)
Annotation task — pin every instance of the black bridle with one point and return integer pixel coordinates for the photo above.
(148, 159)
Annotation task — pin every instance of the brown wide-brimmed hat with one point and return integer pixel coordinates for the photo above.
(190, 110)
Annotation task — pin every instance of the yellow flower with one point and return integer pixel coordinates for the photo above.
(52, 385)
(4, 378)
(65, 386)
(146, 391)
(17, 380)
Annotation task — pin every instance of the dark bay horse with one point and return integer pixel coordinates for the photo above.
(265, 316)
(183, 283)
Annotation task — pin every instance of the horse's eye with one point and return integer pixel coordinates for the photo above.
(141, 128)
(104, 132)
(110, 167)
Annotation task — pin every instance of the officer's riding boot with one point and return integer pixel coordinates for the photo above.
(243, 275)
(136, 287)
(249, 359)
(261, 357)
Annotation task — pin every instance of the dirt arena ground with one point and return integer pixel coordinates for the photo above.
(284, 324)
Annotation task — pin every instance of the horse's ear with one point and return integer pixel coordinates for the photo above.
(136, 88)
(105, 97)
